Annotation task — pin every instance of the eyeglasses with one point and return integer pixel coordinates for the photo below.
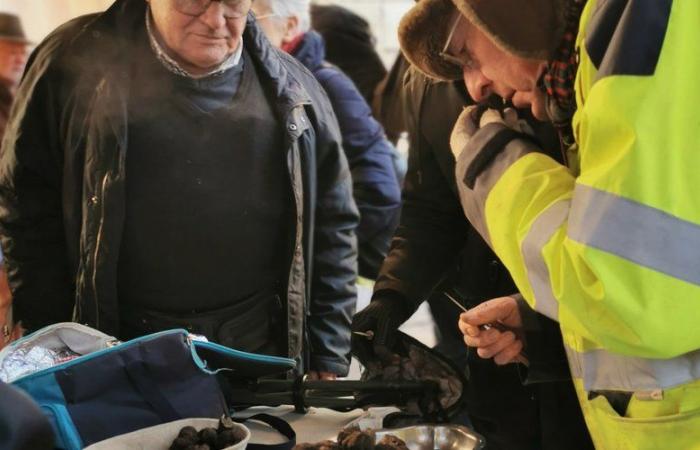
(463, 59)
(233, 9)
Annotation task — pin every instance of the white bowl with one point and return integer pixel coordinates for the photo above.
(160, 437)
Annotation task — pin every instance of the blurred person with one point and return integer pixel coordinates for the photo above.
(605, 242)
(350, 45)
(13, 57)
(375, 185)
(170, 169)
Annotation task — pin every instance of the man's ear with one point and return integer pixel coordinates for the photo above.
(291, 29)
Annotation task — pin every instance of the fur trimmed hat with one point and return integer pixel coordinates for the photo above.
(527, 28)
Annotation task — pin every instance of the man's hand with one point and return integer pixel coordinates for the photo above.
(474, 117)
(382, 317)
(504, 345)
(313, 375)
(466, 126)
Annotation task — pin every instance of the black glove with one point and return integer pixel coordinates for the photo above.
(382, 317)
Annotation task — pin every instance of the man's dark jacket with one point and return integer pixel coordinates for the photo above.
(433, 237)
(370, 155)
(62, 186)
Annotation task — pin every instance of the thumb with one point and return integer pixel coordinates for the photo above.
(488, 312)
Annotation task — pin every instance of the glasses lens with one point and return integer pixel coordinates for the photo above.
(232, 8)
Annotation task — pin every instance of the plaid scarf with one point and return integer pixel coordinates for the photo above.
(557, 80)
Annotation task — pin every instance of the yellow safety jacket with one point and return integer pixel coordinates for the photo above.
(611, 248)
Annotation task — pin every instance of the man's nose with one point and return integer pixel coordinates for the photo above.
(214, 16)
(479, 87)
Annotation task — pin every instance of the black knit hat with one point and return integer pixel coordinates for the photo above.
(11, 29)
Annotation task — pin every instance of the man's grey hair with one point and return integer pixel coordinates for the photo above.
(290, 8)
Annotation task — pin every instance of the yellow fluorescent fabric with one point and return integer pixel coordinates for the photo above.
(619, 281)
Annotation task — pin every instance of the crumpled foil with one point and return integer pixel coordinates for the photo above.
(27, 360)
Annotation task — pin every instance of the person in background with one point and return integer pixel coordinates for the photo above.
(350, 45)
(170, 169)
(375, 186)
(14, 49)
(13, 57)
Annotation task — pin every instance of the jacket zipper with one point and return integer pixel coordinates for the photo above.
(97, 250)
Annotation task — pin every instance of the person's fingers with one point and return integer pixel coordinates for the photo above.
(490, 311)
(484, 339)
(466, 328)
(490, 116)
(504, 340)
(509, 354)
(510, 117)
(327, 376)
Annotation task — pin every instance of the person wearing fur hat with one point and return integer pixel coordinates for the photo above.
(606, 244)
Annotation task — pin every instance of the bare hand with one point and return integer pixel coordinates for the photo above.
(314, 375)
(504, 345)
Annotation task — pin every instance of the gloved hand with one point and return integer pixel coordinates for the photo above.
(382, 317)
(475, 117)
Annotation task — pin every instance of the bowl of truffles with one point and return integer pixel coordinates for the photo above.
(185, 434)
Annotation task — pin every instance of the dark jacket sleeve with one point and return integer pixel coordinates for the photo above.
(22, 424)
(371, 157)
(334, 258)
(433, 229)
(31, 218)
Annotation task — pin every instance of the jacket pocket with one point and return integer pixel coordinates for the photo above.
(670, 427)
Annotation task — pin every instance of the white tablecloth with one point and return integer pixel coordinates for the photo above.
(317, 425)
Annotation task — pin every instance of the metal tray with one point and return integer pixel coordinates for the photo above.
(436, 437)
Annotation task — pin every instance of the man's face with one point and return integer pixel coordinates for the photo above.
(13, 58)
(494, 71)
(200, 35)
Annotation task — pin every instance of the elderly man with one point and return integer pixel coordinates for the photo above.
(608, 246)
(168, 168)
(370, 155)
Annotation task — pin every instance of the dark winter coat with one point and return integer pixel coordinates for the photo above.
(62, 186)
(433, 237)
(370, 155)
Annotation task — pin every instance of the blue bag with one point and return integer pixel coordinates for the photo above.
(115, 389)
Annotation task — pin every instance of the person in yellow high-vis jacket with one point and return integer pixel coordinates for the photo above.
(608, 245)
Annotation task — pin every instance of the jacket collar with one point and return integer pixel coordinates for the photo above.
(311, 51)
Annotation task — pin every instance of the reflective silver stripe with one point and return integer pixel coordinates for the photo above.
(601, 370)
(644, 235)
(539, 235)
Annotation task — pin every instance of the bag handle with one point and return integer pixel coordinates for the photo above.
(282, 426)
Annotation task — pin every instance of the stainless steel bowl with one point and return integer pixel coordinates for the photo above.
(436, 437)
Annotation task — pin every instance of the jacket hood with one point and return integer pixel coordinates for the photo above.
(311, 51)
(531, 29)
